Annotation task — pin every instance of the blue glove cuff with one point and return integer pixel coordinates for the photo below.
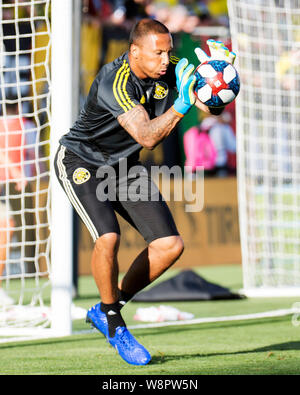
(181, 107)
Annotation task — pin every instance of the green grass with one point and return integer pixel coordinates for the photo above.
(256, 347)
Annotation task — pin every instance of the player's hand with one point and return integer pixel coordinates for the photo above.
(185, 81)
(181, 67)
(218, 51)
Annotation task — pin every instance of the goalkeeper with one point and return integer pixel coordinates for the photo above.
(126, 110)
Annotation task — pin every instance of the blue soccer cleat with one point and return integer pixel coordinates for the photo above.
(129, 348)
(98, 319)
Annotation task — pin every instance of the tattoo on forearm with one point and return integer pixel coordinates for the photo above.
(145, 131)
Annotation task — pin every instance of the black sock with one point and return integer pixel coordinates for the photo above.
(113, 315)
(124, 297)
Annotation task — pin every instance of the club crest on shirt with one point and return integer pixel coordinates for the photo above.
(161, 90)
(81, 175)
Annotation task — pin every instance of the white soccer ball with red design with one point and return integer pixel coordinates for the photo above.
(217, 83)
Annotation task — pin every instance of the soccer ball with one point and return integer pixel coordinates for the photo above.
(217, 83)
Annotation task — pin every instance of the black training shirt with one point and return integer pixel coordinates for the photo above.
(97, 137)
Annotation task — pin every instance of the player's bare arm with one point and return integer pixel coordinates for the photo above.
(148, 132)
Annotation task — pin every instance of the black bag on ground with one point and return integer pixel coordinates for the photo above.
(186, 286)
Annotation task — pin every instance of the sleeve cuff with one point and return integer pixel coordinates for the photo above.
(177, 113)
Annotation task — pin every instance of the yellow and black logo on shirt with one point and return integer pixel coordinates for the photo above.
(81, 175)
(161, 90)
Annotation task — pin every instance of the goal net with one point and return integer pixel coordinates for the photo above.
(266, 37)
(24, 164)
(35, 297)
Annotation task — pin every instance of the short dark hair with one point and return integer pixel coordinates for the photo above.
(144, 27)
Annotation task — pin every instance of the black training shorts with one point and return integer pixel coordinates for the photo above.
(97, 194)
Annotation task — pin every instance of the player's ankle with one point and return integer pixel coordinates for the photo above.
(124, 297)
(113, 315)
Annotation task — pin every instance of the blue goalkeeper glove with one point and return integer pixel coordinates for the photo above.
(185, 81)
(218, 51)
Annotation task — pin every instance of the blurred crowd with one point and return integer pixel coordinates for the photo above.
(177, 15)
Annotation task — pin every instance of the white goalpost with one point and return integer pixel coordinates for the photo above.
(266, 37)
(36, 108)
(61, 255)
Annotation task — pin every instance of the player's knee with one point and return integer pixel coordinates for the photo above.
(108, 243)
(178, 247)
(172, 246)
